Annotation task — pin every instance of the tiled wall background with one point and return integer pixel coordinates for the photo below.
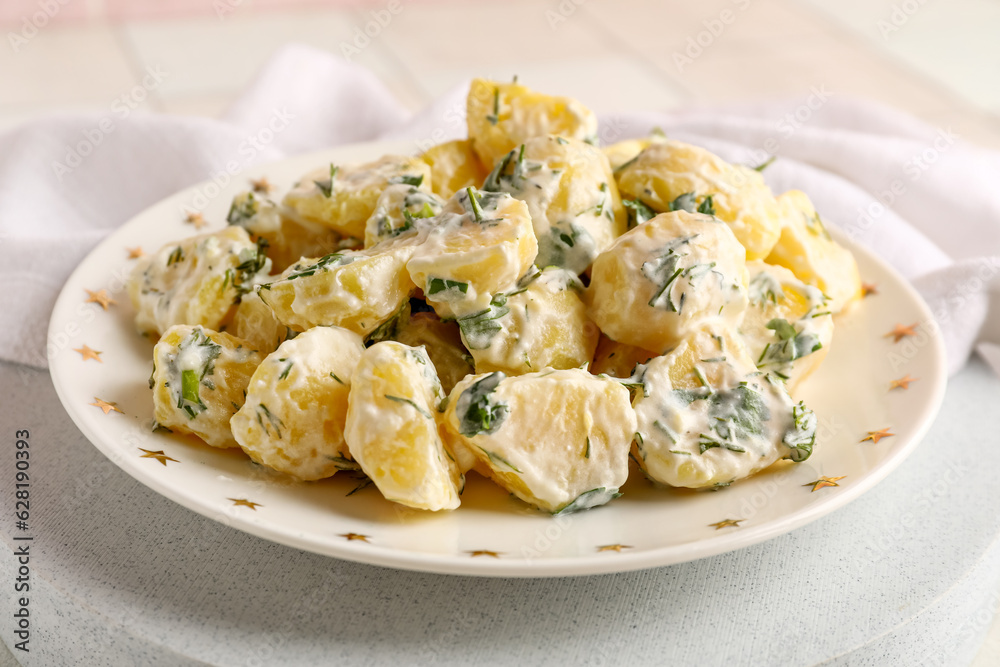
(938, 59)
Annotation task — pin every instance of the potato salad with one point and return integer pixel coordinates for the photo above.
(522, 305)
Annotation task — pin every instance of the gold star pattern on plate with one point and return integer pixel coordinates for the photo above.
(107, 406)
(261, 185)
(875, 436)
(158, 455)
(613, 547)
(88, 353)
(484, 552)
(350, 537)
(136, 252)
(725, 523)
(101, 297)
(868, 289)
(902, 383)
(243, 502)
(824, 482)
(901, 332)
(195, 218)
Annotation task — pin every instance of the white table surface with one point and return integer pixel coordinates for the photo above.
(121, 576)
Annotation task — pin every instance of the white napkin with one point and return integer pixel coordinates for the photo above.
(940, 228)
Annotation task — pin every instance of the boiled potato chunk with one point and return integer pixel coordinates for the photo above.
(806, 248)
(663, 278)
(543, 325)
(559, 440)
(787, 327)
(357, 290)
(478, 247)
(399, 211)
(288, 239)
(502, 116)
(296, 405)
(706, 417)
(443, 342)
(255, 323)
(343, 197)
(392, 428)
(618, 359)
(195, 281)
(454, 166)
(198, 382)
(571, 195)
(672, 175)
(620, 153)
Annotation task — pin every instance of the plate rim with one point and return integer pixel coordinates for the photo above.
(374, 554)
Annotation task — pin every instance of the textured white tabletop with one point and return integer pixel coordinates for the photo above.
(121, 576)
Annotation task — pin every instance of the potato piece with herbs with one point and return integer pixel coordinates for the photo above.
(288, 239)
(622, 152)
(617, 359)
(399, 210)
(787, 327)
(454, 166)
(571, 195)
(707, 417)
(195, 281)
(357, 290)
(255, 323)
(665, 277)
(343, 197)
(559, 440)
(542, 324)
(502, 116)
(478, 247)
(443, 342)
(198, 382)
(671, 176)
(296, 405)
(392, 428)
(806, 248)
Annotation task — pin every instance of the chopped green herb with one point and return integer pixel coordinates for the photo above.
(638, 212)
(494, 117)
(272, 420)
(478, 411)
(763, 288)
(324, 263)
(176, 256)
(409, 401)
(243, 208)
(684, 202)
(438, 285)
(343, 463)
(326, 186)
(288, 367)
(364, 483)
(477, 211)
(334, 376)
(407, 179)
(588, 499)
(586, 452)
(625, 165)
(801, 437)
(478, 329)
(765, 164)
(664, 272)
(496, 459)
(707, 206)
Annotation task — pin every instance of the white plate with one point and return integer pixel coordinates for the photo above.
(492, 533)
